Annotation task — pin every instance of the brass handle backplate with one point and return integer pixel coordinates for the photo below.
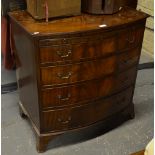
(131, 38)
(64, 98)
(120, 101)
(125, 80)
(64, 121)
(130, 60)
(64, 54)
(64, 76)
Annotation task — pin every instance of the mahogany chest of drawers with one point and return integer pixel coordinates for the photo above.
(77, 71)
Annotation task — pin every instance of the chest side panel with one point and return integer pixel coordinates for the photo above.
(25, 52)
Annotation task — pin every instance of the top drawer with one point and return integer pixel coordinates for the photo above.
(76, 49)
(89, 47)
(131, 37)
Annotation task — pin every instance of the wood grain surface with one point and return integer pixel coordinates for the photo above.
(77, 71)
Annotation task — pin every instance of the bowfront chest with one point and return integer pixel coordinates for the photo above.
(76, 71)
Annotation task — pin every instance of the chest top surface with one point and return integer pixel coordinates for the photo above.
(81, 23)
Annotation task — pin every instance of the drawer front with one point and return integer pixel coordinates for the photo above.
(78, 49)
(130, 37)
(78, 72)
(86, 91)
(128, 59)
(91, 47)
(69, 118)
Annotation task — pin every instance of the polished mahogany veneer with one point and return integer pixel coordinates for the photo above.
(76, 71)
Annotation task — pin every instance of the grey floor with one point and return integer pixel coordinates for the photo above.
(18, 137)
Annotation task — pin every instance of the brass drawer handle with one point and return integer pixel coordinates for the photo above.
(64, 76)
(131, 41)
(126, 79)
(64, 98)
(130, 60)
(62, 54)
(64, 122)
(121, 100)
(126, 61)
(132, 38)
